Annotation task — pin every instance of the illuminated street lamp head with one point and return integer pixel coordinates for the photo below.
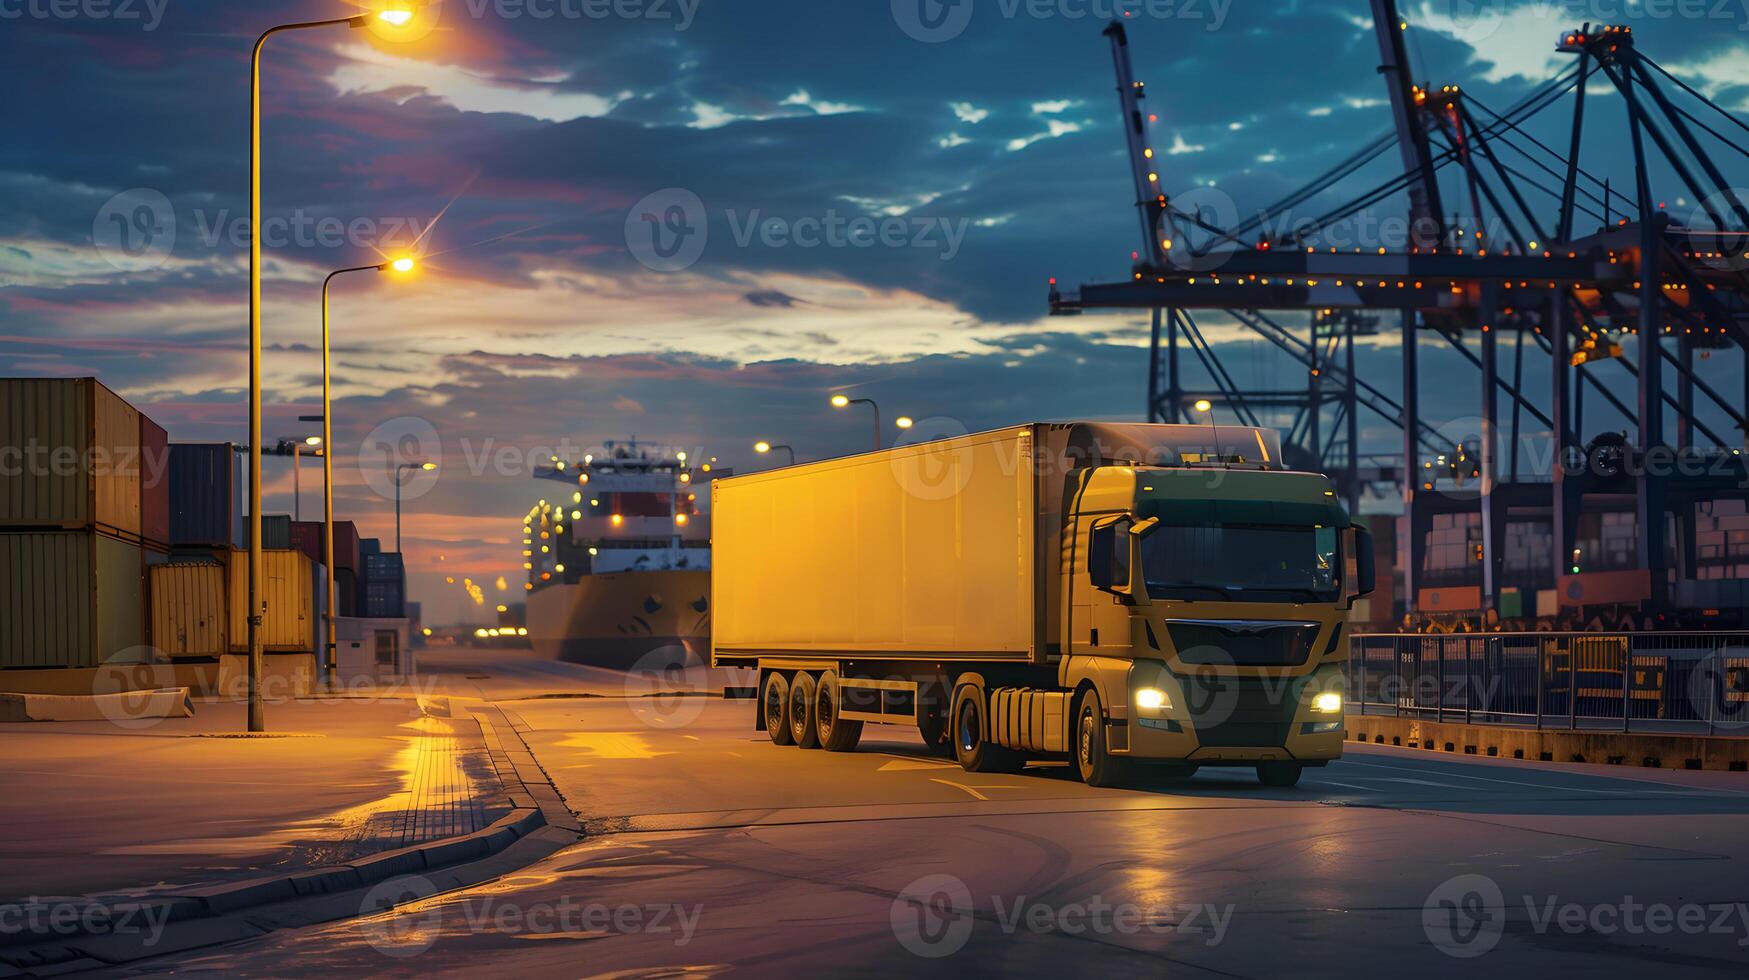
(428, 466)
(840, 401)
(904, 422)
(762, 447)
(405, 263)
(313, 441)
(397, 14)
(1204, 405)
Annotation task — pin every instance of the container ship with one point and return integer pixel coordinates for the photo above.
(619, 564)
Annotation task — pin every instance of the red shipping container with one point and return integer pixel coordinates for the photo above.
(306, 536)
(346, 545)
(154, 483)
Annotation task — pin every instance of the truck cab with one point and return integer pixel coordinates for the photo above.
(1206, 612)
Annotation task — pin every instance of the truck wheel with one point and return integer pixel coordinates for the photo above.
(802, 727)
(971, 743)
(774, 708)
(835, 733)
(1280, 774)
(1097, 766)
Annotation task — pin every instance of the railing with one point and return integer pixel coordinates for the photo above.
(1675, 683)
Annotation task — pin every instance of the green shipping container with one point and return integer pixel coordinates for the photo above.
(78, 456)
(70, 599)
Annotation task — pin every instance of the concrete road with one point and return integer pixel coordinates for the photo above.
(713, 851)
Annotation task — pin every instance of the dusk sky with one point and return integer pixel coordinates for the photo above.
(529, 149)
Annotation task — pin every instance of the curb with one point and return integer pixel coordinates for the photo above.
(1693, 752)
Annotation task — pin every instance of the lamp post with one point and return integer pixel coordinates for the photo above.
(762, 447)
(398, 471)
(845, 401)
(257, 714)
(330, 663)
(1207, 408)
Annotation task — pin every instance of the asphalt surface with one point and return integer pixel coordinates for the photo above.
(712, 851)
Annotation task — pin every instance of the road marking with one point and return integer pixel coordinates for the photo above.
(1520, 782)
(911, 765)
(1422, 782)
(1332, 782)
(973, 790)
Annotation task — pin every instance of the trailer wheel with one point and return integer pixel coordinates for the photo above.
(1279, 774)
(803, 730)
(774, 708)
(1097, 766)
(835, 733)
(971, 742)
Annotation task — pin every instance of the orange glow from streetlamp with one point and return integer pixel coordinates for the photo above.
(404, 263)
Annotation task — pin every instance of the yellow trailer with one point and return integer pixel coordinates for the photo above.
(1117, 593)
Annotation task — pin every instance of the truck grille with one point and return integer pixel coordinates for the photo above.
(1242, 643)
(1242, 711)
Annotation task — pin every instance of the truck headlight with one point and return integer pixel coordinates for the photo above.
(1152, 699)
(1327, 703)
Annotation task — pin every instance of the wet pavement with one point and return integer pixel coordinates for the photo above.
(143, 807)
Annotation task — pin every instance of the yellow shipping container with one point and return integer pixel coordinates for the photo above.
(288, 620)
(190, 617)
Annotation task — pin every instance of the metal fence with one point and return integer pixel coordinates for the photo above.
(1676, 683)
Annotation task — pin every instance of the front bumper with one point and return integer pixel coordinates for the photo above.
(1231, 720)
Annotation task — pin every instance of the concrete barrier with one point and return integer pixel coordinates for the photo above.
(130, 706)
(1722, 752)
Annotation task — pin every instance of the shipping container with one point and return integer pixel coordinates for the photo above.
(346, 591)
(80, 456)
(206, 488)
(154, 483)
(70, 599)
(369, 546)
(308, 537)
(346, 545)
(288, 619)
(384, 599)
(384, 567)
(190, 612)
(276, 533)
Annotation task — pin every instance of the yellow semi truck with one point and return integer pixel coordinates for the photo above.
(1113, 594)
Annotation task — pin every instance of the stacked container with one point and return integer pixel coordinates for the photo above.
(385, 586)
(71, 563)
(206, 503)
(346, 568)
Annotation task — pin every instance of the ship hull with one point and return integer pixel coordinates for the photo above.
(624, 620)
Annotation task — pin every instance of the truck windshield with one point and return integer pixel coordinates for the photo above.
(1241, 562)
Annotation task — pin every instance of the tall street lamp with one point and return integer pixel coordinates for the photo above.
(398, 471)
(330, 664)
(396, 17)
(845, 401)
(762, 447)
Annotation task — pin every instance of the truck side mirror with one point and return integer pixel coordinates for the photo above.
(1108, 556)
(1364, 573)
